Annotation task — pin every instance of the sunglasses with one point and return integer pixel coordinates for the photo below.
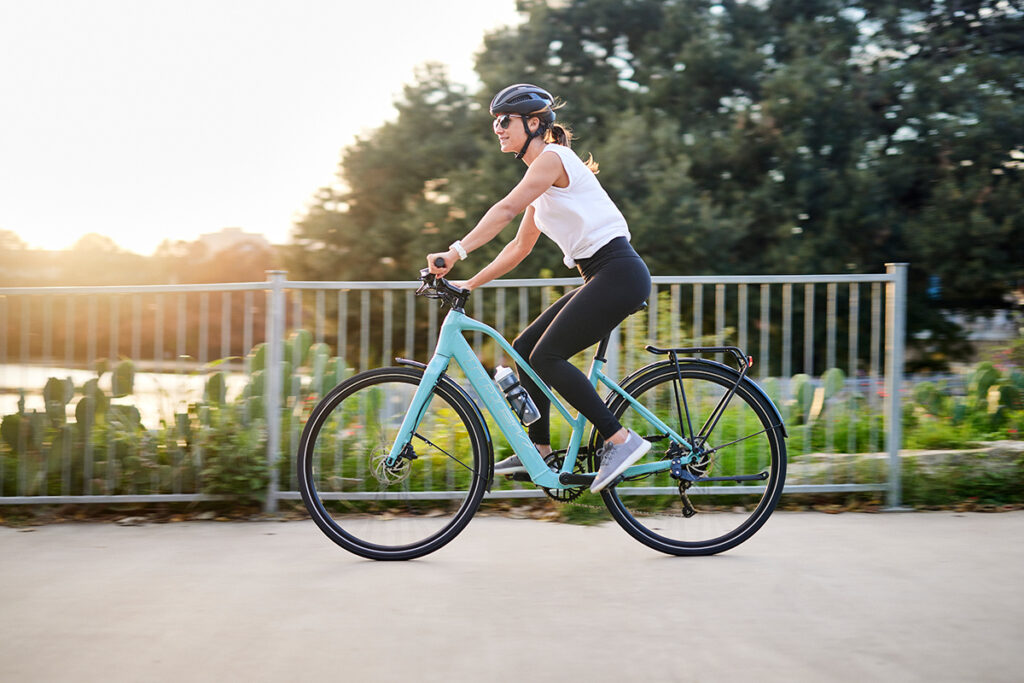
(504, 120)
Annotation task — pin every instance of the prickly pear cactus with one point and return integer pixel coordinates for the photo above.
(216, 389)
(123, 380)
(833, 380)
(982, 379)
(56, 395)
(803, 394)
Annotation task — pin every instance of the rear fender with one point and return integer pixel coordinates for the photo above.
(637, 375)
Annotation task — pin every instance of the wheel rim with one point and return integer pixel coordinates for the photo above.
(743, 442)
(365, 505)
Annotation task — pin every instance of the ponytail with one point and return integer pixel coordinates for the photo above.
(560, 135)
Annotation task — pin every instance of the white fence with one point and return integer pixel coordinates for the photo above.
(175, 337)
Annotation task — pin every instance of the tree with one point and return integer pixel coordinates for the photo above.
(393, 198)
(737, 137)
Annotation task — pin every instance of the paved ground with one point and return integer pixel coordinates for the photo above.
(812, 597)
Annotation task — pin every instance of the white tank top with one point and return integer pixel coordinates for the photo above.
(580, 218)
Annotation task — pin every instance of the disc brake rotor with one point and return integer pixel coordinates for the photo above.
(390, 475)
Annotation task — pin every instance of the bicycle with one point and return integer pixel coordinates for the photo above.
(705, 491)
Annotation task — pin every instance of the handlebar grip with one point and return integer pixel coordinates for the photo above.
(439, 262)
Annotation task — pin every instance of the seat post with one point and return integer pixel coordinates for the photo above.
(602, 349)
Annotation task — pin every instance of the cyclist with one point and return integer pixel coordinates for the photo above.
(561, 198)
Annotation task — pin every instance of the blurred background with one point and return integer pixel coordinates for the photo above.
(194, 143)
(200, 142)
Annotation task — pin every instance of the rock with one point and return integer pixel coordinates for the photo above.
(131, 521)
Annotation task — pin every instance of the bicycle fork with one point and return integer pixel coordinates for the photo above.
(417, 409)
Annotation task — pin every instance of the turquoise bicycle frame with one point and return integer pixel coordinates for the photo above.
(453, 345)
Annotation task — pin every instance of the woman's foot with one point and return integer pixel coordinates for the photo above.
(513, 464)
(616, 457)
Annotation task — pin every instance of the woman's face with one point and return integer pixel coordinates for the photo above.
(511, 136)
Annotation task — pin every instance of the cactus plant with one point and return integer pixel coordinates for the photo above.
(216, 389)
(122, 381)
(56, 395)
(833, 380)
(803, 394)
(982, 379)
(296, 349)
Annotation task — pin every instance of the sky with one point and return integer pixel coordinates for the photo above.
(154, 120)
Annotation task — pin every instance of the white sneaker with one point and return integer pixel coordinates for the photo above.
(615, 458)
(509, 466)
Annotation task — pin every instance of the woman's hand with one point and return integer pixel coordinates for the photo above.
(449, 257)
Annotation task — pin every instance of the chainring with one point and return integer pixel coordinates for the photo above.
(555, 460)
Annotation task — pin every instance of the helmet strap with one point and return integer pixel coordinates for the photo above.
(529, 136)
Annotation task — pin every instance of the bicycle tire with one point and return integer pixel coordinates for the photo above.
(749, 438)
(401, 513)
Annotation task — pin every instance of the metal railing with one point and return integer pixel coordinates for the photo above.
(176, 336)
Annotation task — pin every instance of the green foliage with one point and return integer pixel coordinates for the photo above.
(969, 478)
(991, 410)
(234, 457)
(56, 395)
(984, 376)
(216, 389)
(123, 379)
(771, 137)
(218, 445)
(803, 395)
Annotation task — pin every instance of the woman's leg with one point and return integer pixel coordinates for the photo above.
(524, 344)
(614, 292)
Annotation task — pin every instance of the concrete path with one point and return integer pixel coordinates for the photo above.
(812, 597)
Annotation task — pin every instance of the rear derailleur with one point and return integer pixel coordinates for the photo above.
(687, 473)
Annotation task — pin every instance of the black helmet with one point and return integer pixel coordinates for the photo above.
(526, 100)
(523, 98)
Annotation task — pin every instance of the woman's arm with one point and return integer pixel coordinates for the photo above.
(511, 256)
(541, 175)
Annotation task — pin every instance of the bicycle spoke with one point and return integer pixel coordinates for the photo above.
(397, 510)
(431, 443)
(723, 492)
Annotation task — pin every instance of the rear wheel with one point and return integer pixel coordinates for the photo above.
(681, 517)
(399, 512)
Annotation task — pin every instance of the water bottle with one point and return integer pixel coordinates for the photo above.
(520, 401)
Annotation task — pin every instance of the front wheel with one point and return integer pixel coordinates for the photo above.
(418, 504)
(747, 440)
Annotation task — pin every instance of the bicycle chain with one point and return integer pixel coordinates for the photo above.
(636, 513)
(572, 501)
(569, 496)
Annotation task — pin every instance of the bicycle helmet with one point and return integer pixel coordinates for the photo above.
(526, 100)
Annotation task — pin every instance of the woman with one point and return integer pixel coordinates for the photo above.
(562, 199)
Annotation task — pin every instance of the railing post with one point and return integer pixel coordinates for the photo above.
(895, 341)
(274, 379)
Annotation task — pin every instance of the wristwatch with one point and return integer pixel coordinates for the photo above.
(459, 249)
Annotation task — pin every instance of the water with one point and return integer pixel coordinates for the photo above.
(157, 395)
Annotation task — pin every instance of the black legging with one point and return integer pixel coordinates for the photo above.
(615, 282)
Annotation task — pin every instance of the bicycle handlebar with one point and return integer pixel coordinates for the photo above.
(435, 287)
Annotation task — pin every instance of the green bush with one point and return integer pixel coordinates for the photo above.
(90, 439)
